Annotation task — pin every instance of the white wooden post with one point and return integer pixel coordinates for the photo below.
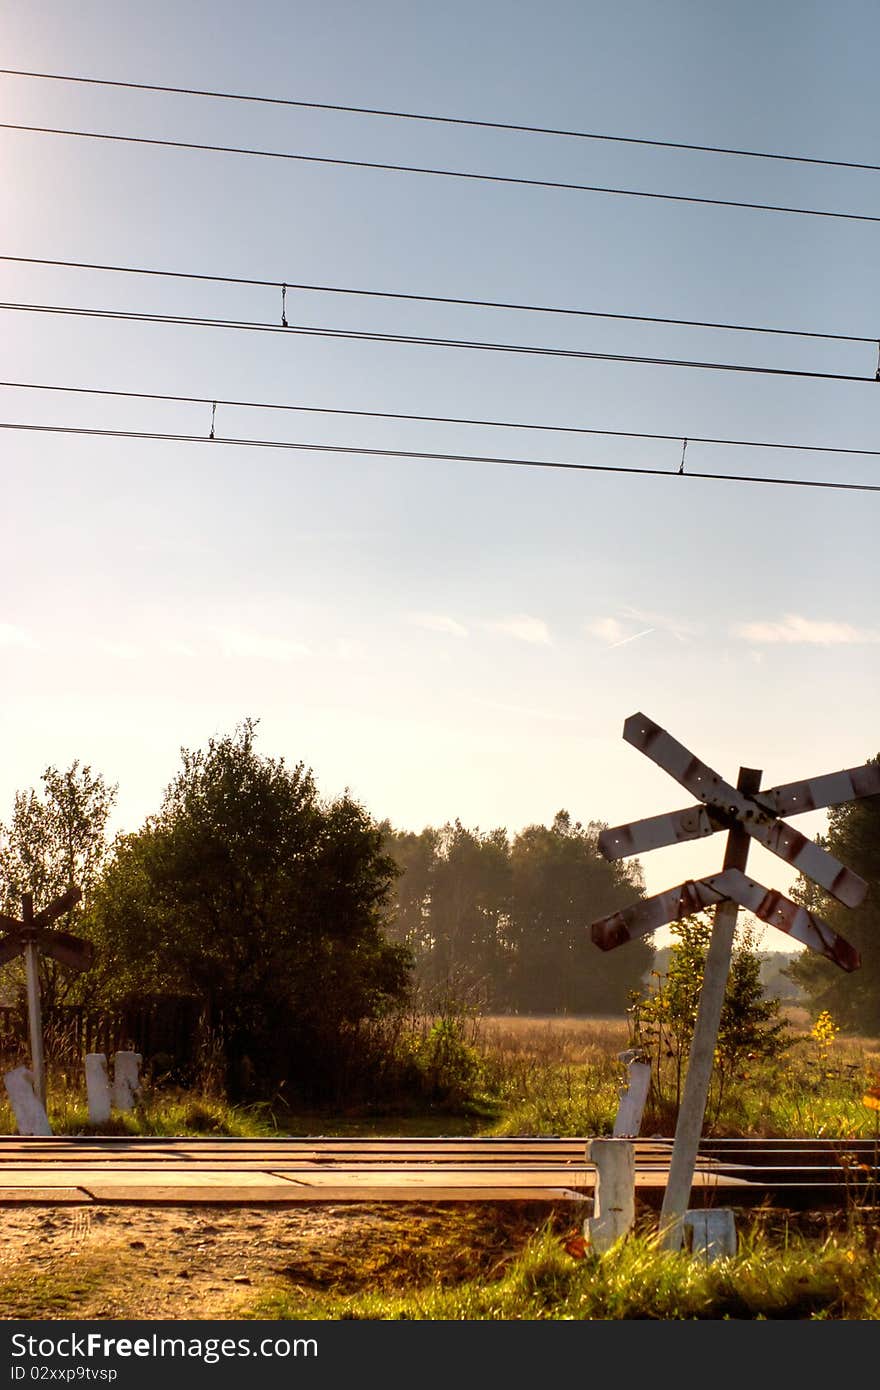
(614, 1204)
(126, 1079)
(705, 1037)
(29, 1111)
(97, 1088)
(710, 1233)
(628, 1122)
(35, 1018)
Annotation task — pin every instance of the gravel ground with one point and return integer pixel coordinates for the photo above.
(214, 1262)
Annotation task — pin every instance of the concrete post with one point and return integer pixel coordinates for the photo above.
(126, 1079)
(628, 1122)
(702, 1052)
(710, 1233)
(614, 1205)
(97, 1088)
(35, 1018)
(29, 1111)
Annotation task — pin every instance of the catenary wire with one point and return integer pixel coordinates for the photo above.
(441, 299)
(467, 174)
(517, 127)
(361, 451)
(216, 401)
(419, 340)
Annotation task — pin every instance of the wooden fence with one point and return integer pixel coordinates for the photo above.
(165, 1029)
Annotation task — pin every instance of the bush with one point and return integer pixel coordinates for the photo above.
(663, 1015)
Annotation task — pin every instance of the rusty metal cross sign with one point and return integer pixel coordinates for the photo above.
(747, 814)
(27, 936)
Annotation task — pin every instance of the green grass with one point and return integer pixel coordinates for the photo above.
(551, 1076)
(53, 1294)
(809, 1090)
(533, 1076)
(161, 1113)
(838, 1278)
(168, 1114)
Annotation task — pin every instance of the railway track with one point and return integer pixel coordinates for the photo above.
(792, 1173)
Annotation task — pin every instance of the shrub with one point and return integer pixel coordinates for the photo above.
(663, 1015)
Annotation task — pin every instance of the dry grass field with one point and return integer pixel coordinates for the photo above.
(568, 1038)
(561, 1075)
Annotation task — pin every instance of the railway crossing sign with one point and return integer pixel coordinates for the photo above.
(747, 814)
(68, 950)
(28, 936)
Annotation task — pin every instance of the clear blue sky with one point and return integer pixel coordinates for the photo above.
(443, 639)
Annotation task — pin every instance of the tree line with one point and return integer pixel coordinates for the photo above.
(298, 922)
(507, 917)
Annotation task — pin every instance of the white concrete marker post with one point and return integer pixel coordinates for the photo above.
(97, 1088)
(615, 1197)
(628, 1121)
(702, 1053)
(29, 1111)
(126, 1079)
(710, 1233)
(27, 936)
(35, 1017)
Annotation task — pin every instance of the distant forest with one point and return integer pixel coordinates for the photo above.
(505, 922)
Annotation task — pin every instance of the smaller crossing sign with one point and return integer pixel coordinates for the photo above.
(68, 950)
(746, 813)
(28, 936)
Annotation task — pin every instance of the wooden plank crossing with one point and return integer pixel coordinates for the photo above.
(290, 1171)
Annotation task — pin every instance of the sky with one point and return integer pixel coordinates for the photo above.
(443, 639)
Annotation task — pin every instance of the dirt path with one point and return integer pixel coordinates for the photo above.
(198, 1262)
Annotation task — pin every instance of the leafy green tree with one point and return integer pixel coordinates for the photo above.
(560, 884)
(470, 895)
(853, 837)
(416, 858)
(54, 840)
(663, 1015)
(511, 921)
(452, 907)
(267, 904)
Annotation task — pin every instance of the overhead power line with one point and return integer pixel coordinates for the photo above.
(441, 299)
(361, 451)
(419, 340)
(466, 174)
(214, 402)
(515, 126)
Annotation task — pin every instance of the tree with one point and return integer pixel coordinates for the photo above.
(663, 1015)
(416, 857)
(52, 841)
(853, 837)
(452, 907)
(511, 921)
(470, 893)
(267, 904)
(560, 884)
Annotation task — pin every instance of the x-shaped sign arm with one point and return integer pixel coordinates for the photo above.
(722, 806)
(68, 950)
(731, 885)
(33, 927)
(57, 908)
(37, 921)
